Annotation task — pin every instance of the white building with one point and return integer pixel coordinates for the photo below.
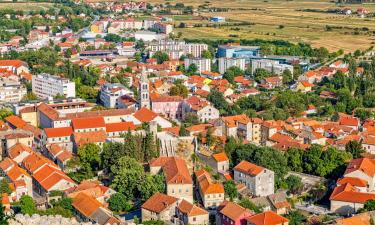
(11, 91)
(271, 66)
(260, 181)
(177, 48)
(225, 63)
(110, 94)
(147, 36)
(201, 63)
(45, 86)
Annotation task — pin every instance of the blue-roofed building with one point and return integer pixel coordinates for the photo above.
(238, 51)
(217, 19)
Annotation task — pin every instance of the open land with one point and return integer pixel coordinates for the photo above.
(286, 20)
(26, 6)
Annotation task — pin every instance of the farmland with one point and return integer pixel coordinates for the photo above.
(296, 21)
(26, 6)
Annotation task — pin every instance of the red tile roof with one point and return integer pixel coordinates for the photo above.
(232, 210)
(16, 121)
(248, 168)
(86, 204)
(220, 157)
(58, 132)
(84, 123)
(145, 115)
(348, 193)
(159, 202)
(364, 165)
(174, 168)
(267, 218)
(357, 182)
(189, 209)
(206, 185)
(121, 126)
(82, 138)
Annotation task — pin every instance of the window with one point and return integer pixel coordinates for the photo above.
(194, 219)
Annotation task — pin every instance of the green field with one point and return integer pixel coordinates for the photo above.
(26, 6)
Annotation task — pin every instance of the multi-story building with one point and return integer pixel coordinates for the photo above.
(175, 49)
(236, 51)
(201, 63)
(168, 106)
(177, 176)
(163, 28)
(260, 181)
(272, 66)
(159, 207)
(225, 63)
(110, 94)
(204, 110)
(48, 86)
(11, 91)
(189, 214)
(212, 193)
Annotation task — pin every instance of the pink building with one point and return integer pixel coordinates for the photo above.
(229, 213)
(168, 106)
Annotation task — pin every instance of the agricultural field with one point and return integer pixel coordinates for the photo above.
(287, 20)
(26, 6)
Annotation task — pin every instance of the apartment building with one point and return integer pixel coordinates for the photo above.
(48, 86)
(110, 94)
(176, 48)
(271, 66)
(201, 63)
(225, 63)
(11, 91)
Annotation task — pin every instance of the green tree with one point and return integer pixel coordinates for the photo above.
(5, 112)
(192, 69)
(127, 175)
(4, 186)
(354, 148)
(179, 90)
(4, 218)
(206, 54)
(369, 205)
(183, 132)
(294, 158)
(118, 203)
(232, 72)
(150, 185)
(246, 203)
(90, 154)
(260, 74)
(294, 183)
(287, 76)
(296, 218)
(160, 57)
(231, 190)
(27, 205)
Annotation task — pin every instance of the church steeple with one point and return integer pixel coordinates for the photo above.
(144, 91)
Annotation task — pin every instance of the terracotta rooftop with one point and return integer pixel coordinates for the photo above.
(159, 202)
(189, 209)
(267, 218)
(58, 132)
(86, 204)
(364, 165)
(220, 157)
(248, 168)
(233, 210)
(145, 115)
(82, 138)
(85, 123)
(174, 168)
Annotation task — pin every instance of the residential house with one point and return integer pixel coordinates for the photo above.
(177, 177)
(61, 136)
(368, 144)
(220, 163)
(168, 106)
(188, 213)
(201, 107)
(267, 218)
(159, 207)
(259, 180)
(212, 193)
(229, 213)
(145, 115)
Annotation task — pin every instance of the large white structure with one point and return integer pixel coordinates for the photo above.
(147, 35)
(110, 94)
(176, 48)
(11, 91)
(225, 63)
(201, 63)
(271, 66)
(45, 86)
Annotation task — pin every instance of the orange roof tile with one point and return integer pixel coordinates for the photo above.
(58, 132)
(121, 126)
(84, 123)
(17, 149)
(82, 138)
(159, 202)
(267, 218)
(174, 168)
(189, 209)
(248, 168)
(360, 219)
(16, 121)
(365, 165)
(233, 210)
(357, 182)
(145, 115)
(85, 204)
(206, 185)
(220, 157)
